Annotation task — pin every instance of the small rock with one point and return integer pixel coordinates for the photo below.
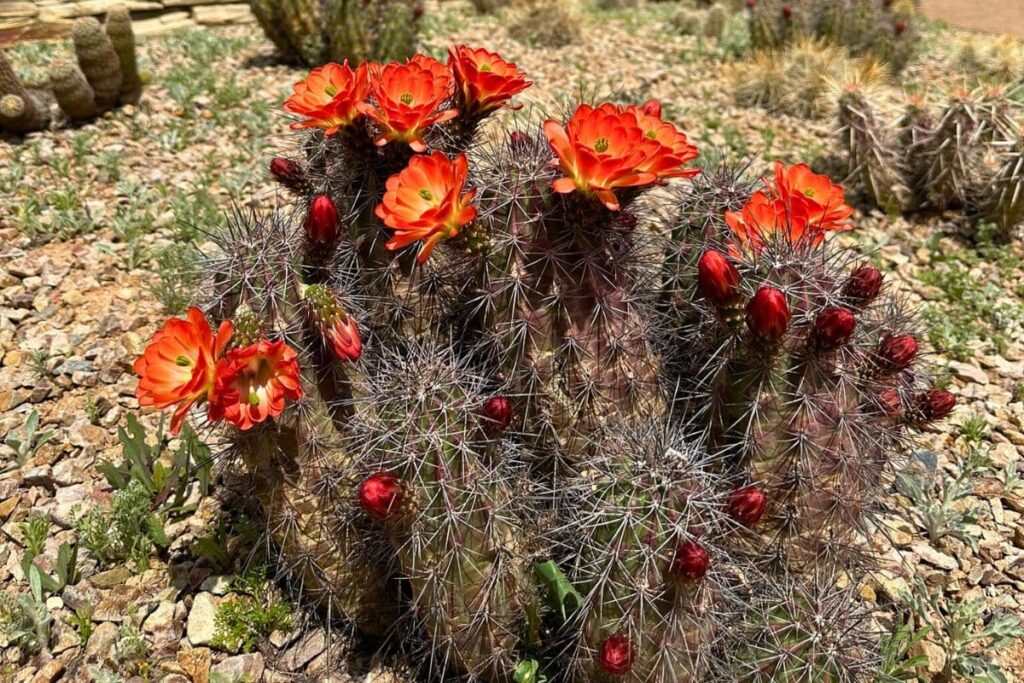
(201, 627)
(968, 373)
(241, 668)
(101, 640)
(161, 619)
(935, 557)
(111, 577)
(50, 671)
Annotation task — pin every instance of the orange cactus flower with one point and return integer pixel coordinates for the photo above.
(253, 383)
(815, 194)
(407, 99)
(483, 80)
(764, 218)
(177, 367)
(679, 150)
(608, 147)
(426, 202)
(329, 97)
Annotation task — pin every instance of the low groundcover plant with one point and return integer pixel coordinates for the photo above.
(501, 403)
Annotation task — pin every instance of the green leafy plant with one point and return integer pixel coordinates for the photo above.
(241, 622)
(34, 530)
(167, 486)
(128, 531)
(899, 663)
(82, 622)
(24, 620)
(66, 569)
(29, 441)
(966, 632)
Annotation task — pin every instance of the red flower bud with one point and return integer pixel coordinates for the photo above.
(768, 314)
(787, 12)
(891, 403)
(288, 173)
(901, 27)
(380, 494)
(746, 505)
(651, 107)
(322, 224)
(864, 285)
(717, 279)
(897, 353)
(691, 561)
(751, 4)
(497, 414)
(616, 654)
(935, 404)
(343, 337)
(519, 140)
(833, 328)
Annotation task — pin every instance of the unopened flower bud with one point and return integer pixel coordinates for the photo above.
(768, 314)
(288, 173)
(616, 654)
(897, 353)
(338, 329)
(691, 561)
(833, 328)
(651, 107)
(863, 286)
(746, 505)
(497, 412)
(380, 494)
(322, 223)
(935, 404)
(717, 279)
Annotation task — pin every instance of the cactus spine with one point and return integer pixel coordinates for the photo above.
(1002, 201)
(871, 159)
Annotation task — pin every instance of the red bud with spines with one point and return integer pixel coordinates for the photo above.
(897, 353)
(337, 327)
(864, 285)
(833, 328)
(936, 404)
(787, 12)
(323, 223)
(901, 27)
(751, 4)
(891, 403)
(690, 562)
(746, 505)
(518, 139)
(768, 314)
(497, 413)
(289, 173)
(616, 656)
(380, 494)
(717, 279)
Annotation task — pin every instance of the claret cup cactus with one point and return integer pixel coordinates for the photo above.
(506, 406)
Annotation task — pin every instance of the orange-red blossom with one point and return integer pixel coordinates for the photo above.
(426, 202)
(329, 97)
(483, 80)
(608, 147)
(253, 383)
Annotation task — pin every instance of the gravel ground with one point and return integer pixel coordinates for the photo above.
(89, 217)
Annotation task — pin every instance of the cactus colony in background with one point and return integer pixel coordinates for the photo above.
(316, 31)
(103, 75)
(966, 155)
(883, 29)
(502, 404)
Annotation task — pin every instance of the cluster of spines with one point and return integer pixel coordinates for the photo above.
(314, 31)
(963, 159)
(884, 30)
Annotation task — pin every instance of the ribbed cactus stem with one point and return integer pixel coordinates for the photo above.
(122, 37)
(1003, 201)
(766, 25)
(950, 156)
(303, 20)
(270, 18)
(871, 159)
(98, 60)
(22, 115)
(72, 90)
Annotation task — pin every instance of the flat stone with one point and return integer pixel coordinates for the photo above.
(968, 373)
(241, 668)
(160, 619)
(111, 577)
(101, 640)
(935, 557)
(50, 671)
(201, 617)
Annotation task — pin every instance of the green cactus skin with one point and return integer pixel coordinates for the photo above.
(461, 538)
(949, 156)
(21, 111)
(714, 22)
(647, 493)
(795, 630)
(269, 16)
(1002, 201)
(871, 158)
(303, 21)
(766, 25)
(98, 60)
(119, 28)
(72, 90)
(26, 115)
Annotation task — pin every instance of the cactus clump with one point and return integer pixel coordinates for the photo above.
(98, 60)
(118, 27)
(501, 403)
(22, 109)
(313, 32)
(960, 157)
(73, 92)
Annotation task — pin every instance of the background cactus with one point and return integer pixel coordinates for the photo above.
(22, 109)
(98, 60)
(314, 32)
(118, 27)
(960, 157)
(72, 90)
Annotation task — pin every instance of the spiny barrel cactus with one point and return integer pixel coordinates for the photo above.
(22, 109)
(98, 60)
(961, 157)
(499, 401)
(316, 31)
